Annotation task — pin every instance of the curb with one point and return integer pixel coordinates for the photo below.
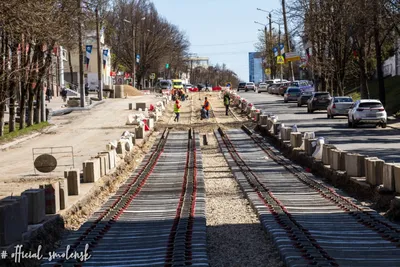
(61, 112)
(27, 137)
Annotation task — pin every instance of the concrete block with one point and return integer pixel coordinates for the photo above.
(103, 166)
(21, 208)
(308, 146)
(396, 173)
(379, 171)
(112, 158)
(355, 165)
(276, 127)
(369, 165)
(141, 105)
(150, 123)
(91, 170)
(326, 150)
(263, 120)
(9, 214)
(106, 162)
(286, 131)
(130, 106)
(257, 116)
(73, 181)
(52, 197)
(119, 91)
(388, 176)
(139, 132)
(121, 149)
(63, 194)
(36, 205)
(296, 139)
(337, 159)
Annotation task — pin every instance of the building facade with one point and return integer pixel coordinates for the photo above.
(256, 73)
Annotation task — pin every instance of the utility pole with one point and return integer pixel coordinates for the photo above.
(81, 88)
(279, 50)
(287, 38)
(99, 63)
(271, 47)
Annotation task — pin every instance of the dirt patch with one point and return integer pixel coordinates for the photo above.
(131, 91)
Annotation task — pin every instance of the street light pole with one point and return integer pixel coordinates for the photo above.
(279, 49)
(271, 47)
(287, 38)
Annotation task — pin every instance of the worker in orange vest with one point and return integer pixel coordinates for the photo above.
(177, 110)
(207, 107)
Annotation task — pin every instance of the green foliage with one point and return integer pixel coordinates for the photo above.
(27, 130)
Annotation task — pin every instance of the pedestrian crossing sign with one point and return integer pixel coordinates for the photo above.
(280, 60)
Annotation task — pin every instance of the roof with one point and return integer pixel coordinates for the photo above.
(369, 100)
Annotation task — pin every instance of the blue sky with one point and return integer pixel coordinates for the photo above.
(210, 22)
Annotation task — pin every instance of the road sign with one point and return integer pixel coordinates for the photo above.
(152, 76)
(268, 71)
(228, 85)
(280, 60)
(292, 56)
(137, 58)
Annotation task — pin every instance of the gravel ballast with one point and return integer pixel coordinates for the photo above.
(234, 233)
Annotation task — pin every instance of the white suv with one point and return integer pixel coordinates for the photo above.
(367, 111)
(250, 86)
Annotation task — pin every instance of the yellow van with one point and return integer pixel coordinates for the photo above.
(177, 84)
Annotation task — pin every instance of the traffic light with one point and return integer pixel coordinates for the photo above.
(167, 66)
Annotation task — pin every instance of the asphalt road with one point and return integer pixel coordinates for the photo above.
(366, 140)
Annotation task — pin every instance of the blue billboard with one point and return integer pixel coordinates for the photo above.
(256, 73)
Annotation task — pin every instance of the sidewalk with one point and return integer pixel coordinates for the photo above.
(394, 123)
(87, 132)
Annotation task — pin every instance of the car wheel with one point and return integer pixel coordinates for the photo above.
(311, 111)
(383, 125)
(298, 105)
(285, 101)
(332, 116)
(259, 92)
(349, 124)
(353, 123)
(308, 110)
(328, 116)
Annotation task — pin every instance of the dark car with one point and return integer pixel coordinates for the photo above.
(283, 87)
(241, 86)
(303, 98)
(318, 101)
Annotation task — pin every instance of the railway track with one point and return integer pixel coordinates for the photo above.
(157, 218)
(311, 224)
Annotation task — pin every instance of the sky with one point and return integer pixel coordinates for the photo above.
(223, 30)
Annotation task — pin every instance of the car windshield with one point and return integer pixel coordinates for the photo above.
(295, 84)
(321, 95)
(177, 83)
(164, 83)
(249, 84)
(294, 90)
(242, 84)
(370, 105)
(343, 100)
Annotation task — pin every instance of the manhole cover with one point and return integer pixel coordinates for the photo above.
(45, 163)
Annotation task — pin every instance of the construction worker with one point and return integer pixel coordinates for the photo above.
(207, 107)
(227, 102)
(177, 110)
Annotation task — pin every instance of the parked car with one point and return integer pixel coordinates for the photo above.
(318, 101)
(241, 86)
(187, 87)
(283, 87)
(217, 88)
(303, 98)
(291, 94)
(367, 111)
(262, 87)
(339, 106)
(250, 86)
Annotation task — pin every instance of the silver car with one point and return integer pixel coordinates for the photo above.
(250, 86)
(339, 106)
(291, 94)
(262, 87)
(367, 111)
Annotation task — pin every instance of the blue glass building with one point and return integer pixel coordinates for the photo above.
(256, 73)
